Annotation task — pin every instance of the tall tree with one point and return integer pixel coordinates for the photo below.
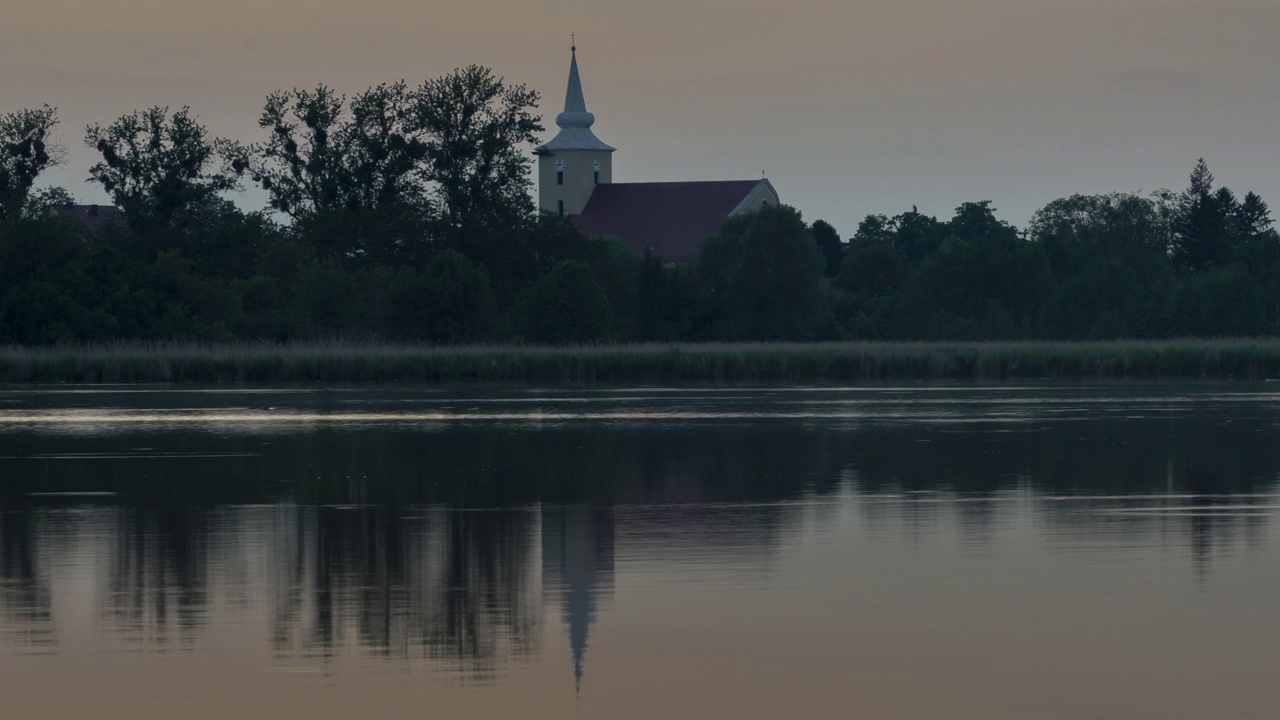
(874, 229)
(1253, 216)
(383, 152)
(1079, 228)
(160, 169)
(1202, 233)
(301, 163)
(477, 129)
(829, 243)
(346, 173)
(912, 234)
(978, 221)
(27, 149)
(980, 283)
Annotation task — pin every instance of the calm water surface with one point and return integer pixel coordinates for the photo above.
(1026, 551)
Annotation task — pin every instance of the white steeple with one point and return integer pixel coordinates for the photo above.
(575, 161)
(575, 122)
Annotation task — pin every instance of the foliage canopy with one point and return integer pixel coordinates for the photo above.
(405, 214)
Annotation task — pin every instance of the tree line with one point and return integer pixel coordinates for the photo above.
(406, 214)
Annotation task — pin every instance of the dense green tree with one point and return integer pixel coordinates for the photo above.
(329, 301)
(871, 277)
(874, 229)
(1223, 301)
(39, 259)
(760, 279)
(567, 306)
(912, 234)
(828, 241)
(515, 259)
(872, 270)
(977, 221)
(916, 235)
(450, 301)
(1108, 264)
(981, 283)
(406, 214)
(1125, 222)
(664, 297)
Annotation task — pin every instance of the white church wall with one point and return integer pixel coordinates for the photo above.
(579, 179)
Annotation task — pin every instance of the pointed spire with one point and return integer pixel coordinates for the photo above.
(575, 113)
(573, 100)
(575, 122)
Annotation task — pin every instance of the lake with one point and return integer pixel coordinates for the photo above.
(927, 551)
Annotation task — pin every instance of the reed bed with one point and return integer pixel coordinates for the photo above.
(354, 362)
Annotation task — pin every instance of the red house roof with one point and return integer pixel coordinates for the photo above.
(672, 219)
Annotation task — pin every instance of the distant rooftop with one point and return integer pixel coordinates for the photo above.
(672, 219)
(92, 216)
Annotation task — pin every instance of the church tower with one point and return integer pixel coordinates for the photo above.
(574, 161)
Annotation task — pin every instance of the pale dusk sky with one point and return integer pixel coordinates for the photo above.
(849, 107)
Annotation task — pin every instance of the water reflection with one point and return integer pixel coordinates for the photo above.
(26, 607)
(156, 592)
(467, 548)
(439, 585)
(577, 566)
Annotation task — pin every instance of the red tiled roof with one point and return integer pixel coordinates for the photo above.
(92, 216)
(672, 218)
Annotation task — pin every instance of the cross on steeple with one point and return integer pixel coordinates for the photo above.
(573, 42)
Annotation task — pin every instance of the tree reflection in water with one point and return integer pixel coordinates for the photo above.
(461, 546)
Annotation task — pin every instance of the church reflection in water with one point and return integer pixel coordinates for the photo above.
(475, 593)
(466, 590)
(479, 577)
(577, 570)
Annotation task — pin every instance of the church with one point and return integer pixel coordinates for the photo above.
(669, 219)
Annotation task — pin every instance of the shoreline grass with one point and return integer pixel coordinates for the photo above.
(356, 362)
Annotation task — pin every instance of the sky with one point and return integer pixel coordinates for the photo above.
(849, 107)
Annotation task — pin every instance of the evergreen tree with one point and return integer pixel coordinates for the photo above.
(1253, 216)
(1202, 237)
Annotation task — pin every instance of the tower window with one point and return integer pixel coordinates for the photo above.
(561, 203)
(559, 177)
(597, 177)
